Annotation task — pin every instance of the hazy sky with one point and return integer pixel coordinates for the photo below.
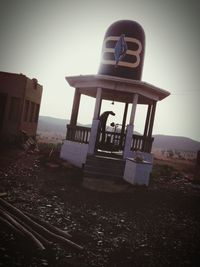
(49, 40)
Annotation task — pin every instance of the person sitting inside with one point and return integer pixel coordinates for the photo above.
(102, 124)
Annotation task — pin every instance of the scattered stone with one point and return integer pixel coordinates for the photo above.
(158, 226)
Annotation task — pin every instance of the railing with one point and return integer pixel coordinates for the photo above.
(78, 134)
(142, 143)
(113, 141)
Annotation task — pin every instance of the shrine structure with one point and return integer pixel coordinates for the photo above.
(105, 153)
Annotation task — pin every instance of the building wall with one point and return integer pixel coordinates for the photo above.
(15, 89)
(12, 87)
(31, 107)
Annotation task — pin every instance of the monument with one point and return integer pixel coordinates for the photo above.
(104, 153)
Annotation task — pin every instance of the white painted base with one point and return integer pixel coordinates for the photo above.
(137, 173)
(93, 136)
(75, 153)
(145, 155)
(128, 140)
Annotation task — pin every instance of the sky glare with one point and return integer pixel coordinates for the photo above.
(49, 40)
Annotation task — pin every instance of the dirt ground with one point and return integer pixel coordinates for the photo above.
(157, 225)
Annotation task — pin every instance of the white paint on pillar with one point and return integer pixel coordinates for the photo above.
(133, 110)
(95, 123)
(127, 146)
(130, 128)
(97, 103)
(93, 136)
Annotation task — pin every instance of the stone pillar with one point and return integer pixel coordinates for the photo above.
(130, 128)
(147, 120)
(95, 123)
(146, 128)
(152, 119)
(75, 107)
(133, 110)
(128, 141)
(123, 124)
(97, 104)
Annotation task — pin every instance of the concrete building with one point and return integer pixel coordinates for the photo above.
(20, 99)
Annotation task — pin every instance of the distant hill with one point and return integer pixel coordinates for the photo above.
(175, 142)
(49, 125)
(52, 125)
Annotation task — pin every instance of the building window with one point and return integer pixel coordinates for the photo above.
(37, 112)
(32, 111)
(14, 109)
(26, 110)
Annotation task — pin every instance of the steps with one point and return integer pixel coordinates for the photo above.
(102, 167)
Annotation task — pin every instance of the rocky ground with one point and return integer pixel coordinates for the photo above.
(139, 226)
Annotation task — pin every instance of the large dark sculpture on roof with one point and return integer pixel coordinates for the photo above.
(123, 50)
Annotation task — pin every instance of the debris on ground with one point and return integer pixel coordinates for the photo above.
(154, 226)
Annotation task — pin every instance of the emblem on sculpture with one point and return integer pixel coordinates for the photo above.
(120, 49)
